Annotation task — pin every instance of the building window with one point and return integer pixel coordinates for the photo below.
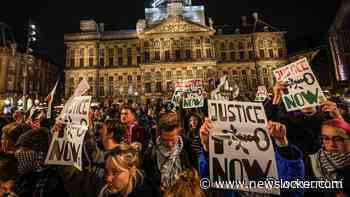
(198, 41)
(129, 78)
(188, 54)
(168, 75)
(240, 45)
(231, 46)
(262, 53)
(280, 52)
(209, 53)
(234, 72)
(120, 52)
(199, 74)
(241, 55)
(120, 61)
(81, 60)
(102, 92)
(148, 87)
(138, 59)
(207, 41)
(233, 56)
(186, 43)
(264, 71)
(147, 57)
(91, 57)
(223, 56)
(271, 53)
(199, 53)
(266, 81)
(159, 86)
(157, 55)
(102, 57)
(120, 78)
(178, 74)
(250, 53)
(138, 78)
(90, 80)
(223, 46)
(129, 60)
(177, 54)
(146, 44)
(111, 56)
(72, 58)
(156, 44)
(189, 74)
(167, 55)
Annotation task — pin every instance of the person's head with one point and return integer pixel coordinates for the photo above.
(336, 136)
(194, 121)
(127, 115)
(188, 183)
(10, 134)
(169, 129)
(8, 173)
(18, 116)
(32, 148)
(122, 169)
(37, 119)
(111, 133)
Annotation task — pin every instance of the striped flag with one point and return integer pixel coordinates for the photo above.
(49, 99)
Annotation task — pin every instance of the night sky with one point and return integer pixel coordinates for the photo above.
(306, 21)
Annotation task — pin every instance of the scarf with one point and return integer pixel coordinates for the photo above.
(331, 162)
(169, 162)
(128, 134)
(29, 161)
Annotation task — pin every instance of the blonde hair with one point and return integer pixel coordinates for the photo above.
(126, 157)
(188, 184)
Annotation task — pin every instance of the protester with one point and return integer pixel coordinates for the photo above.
(332, 161)
(8, 174)
(187, 184)
(112, 133)
(290, 165)
(170, 155)
(135, 132)
(10, 134)
(19, 116)
(193, 133)
(35, 178)
(123, 175)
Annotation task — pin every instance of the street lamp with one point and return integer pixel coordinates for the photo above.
(31, 37)
(36, 102)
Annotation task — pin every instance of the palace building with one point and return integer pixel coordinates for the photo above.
(174, 42)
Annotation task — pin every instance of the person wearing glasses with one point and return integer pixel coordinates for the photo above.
(332, 161)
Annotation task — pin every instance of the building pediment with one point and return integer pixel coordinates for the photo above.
(177, 25)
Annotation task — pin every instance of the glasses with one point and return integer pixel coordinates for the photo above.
(334, 139)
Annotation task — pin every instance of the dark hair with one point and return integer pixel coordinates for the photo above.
(132, 110)
(168, 122)
(115, 129)
(8, 167)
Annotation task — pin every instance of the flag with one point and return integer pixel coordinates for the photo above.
(49, 99)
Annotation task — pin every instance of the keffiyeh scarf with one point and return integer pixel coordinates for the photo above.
(331, 162)
(169, 162)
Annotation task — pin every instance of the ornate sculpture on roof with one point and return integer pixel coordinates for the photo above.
(161, 3)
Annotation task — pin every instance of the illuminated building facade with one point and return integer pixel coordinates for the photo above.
(173, 42)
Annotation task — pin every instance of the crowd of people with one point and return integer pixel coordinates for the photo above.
(155, 150)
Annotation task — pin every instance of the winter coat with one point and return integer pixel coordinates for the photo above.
(150, 166)
(144, 189)
(290, 166)
(40, 184)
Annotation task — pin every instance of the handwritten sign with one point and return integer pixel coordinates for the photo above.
(190, 92)
(261, 94)
(303, 89)
(67, 149)
(239, 145)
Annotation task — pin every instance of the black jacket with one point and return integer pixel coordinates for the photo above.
(150, 166)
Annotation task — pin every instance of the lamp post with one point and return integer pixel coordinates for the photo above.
(256, 18)
(31, 37)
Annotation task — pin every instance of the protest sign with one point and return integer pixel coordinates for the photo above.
(261, 94)
(240, 148)
(303, 90)
(67, 149)
(190, 93)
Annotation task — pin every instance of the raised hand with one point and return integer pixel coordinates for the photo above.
(278, 132)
